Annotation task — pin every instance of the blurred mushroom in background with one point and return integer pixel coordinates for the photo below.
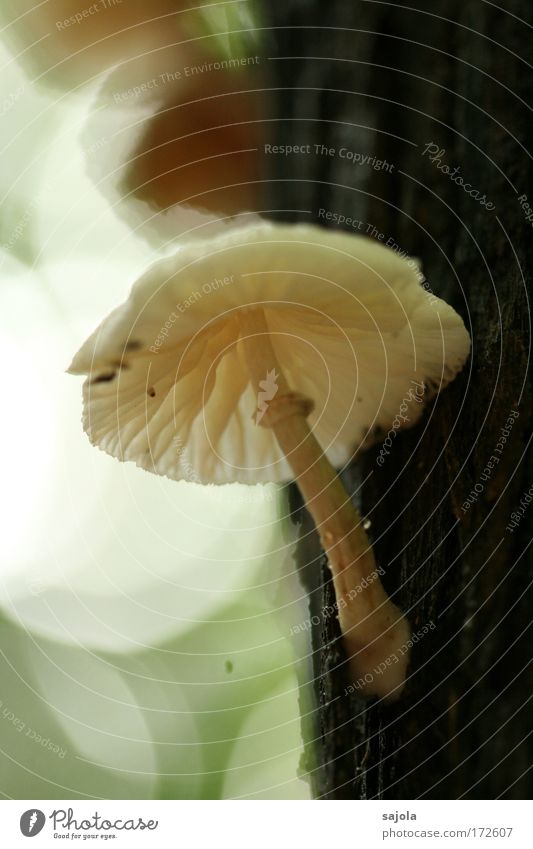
(63, 45)
(173, 136)
(175, 146)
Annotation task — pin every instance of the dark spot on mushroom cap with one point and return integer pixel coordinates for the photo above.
(151, 391)
(105, 377)
(133, 345)
(228, 666)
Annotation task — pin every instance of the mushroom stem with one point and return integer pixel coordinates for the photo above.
(374, 630)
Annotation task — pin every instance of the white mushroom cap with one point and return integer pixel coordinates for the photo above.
(350, 323)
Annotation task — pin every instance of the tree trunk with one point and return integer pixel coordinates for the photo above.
(384, 80)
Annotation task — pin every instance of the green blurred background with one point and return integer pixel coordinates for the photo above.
(144, 624)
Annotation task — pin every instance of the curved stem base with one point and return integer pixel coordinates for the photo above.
(375, 631)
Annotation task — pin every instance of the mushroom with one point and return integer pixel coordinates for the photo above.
(174, 134)
(64, 46)
(173, 142)
(276, 353)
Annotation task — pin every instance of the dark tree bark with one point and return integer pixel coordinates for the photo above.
(385, 80)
